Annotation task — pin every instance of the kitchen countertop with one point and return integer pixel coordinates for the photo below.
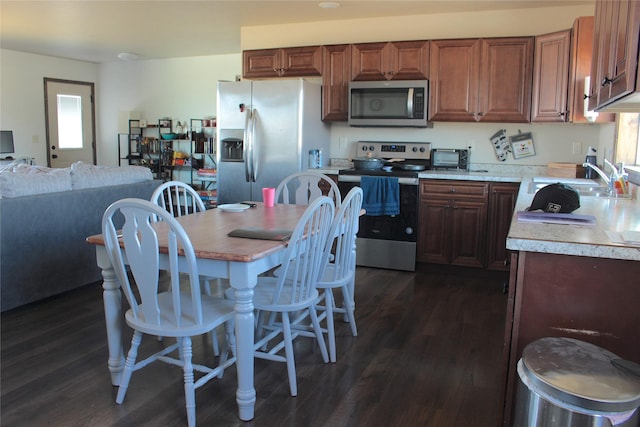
(612, 215)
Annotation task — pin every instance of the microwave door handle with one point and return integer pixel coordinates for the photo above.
(410, 103)
(246, 144)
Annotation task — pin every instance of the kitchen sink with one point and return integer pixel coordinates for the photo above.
(584, 187)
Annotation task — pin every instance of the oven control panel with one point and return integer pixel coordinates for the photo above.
(391, 150)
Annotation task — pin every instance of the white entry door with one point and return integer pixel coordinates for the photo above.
(70, 122)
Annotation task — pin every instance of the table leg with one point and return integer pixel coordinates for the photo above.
(244, 324)
(112, 314)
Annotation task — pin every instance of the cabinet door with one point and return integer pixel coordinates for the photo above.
(615, 50)
(301, 61)
(502, 200)
(434, 238)
(505, 80)
(625, 49)
(551, 77)
(370, 61)
(601, 50)
(453, 217)
(409, 60)
(406, 60)
(453, 69)
(468, 226)
(335, 82)
(289, 62)
(580, 68)
(261, 63)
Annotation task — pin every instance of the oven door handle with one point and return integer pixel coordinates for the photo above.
(356, 178)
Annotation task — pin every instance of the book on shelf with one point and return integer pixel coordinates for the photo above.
(207, 172)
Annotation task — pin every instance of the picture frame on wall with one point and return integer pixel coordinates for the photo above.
(522, 145)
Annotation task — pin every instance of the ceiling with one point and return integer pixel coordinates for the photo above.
(96, 31)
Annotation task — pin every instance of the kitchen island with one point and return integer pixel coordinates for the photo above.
(572, 281)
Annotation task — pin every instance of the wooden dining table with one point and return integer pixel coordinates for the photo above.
(240, 260)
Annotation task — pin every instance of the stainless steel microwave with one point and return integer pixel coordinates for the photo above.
(397, 103)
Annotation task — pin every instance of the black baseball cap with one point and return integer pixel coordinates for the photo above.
(556, 198)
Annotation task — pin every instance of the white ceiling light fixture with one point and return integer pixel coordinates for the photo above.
(329, 4)
(126, 56)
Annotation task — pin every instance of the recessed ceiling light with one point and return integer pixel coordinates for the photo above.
(126, 56)
(329, 4)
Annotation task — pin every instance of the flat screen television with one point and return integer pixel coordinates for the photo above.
(6, 142)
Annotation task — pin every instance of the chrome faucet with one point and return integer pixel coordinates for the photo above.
(599, 171)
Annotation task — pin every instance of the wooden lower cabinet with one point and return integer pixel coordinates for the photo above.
(453, 219)
(465, 222)
(589, 299)
(502, 201)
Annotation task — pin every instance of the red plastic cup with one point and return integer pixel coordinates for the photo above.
(268, 196)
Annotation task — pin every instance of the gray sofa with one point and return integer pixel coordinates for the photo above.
(42, 236)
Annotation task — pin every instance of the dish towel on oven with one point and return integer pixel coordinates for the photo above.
(380, 195)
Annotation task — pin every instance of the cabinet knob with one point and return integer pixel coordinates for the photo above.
(606, 81)
(453, 190)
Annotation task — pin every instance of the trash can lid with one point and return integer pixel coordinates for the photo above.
(580, 374)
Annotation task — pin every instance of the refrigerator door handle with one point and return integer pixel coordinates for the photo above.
(247, 146)
(254, 165)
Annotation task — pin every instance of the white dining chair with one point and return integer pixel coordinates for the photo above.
(181, 312)
(295, 291)
(178, 198)
(301, 188)
(340, 270)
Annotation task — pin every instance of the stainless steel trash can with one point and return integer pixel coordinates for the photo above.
(570, 383)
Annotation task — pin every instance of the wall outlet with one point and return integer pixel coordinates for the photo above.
(35, 139)
(577, 148)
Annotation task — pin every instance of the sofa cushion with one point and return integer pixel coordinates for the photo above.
(90, 176)
(26, 180)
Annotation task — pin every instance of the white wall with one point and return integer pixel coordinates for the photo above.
(181, 88)
(552, 142)
(503, 23)
(22, 96)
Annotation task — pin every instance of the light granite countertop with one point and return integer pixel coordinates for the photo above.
(602, 240)
(613, 216)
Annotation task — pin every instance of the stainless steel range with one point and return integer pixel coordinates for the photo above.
(389, 241)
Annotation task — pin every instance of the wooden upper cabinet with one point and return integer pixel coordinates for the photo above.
(615, 51)
(551, 77)
(406, 60)
(284, 62)
(481, 80)
(505, 79)
(336, 75)
(579, 68)
(454, 77)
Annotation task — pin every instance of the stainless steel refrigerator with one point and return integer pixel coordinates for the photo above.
(265, 132)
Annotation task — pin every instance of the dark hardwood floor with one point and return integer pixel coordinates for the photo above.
(428, 353)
